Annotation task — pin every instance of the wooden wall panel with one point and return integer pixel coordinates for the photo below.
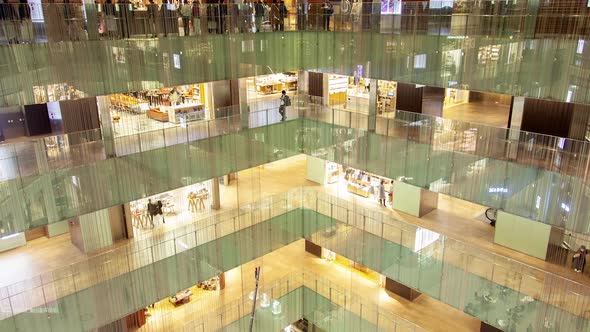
(409, 98)
(547, 117)
(316, 84)
(37, 120)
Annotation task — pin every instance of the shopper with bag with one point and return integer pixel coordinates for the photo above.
(284, 103)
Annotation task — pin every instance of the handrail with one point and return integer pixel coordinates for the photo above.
(353, 218)
(59, 22)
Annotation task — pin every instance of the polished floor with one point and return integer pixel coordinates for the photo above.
(424, 311)
(454, 218)
(488, 113)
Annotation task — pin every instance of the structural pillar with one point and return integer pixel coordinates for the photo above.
(373, 93)
(97, 230)
(413, 200)
(521, 234)
(401, 289)
(215, 199)
(91, 9)
(514, 123)
(106, 125)
(243, 100)
(313, 248)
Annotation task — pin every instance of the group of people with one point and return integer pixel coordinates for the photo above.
(62, 21)
(122, 19)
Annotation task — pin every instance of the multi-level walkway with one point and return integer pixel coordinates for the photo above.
(461, 262)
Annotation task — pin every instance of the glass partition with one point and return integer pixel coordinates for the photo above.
(493, 288)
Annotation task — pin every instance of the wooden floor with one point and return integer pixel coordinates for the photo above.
(290, 260)
(488, 113)
(454, 218)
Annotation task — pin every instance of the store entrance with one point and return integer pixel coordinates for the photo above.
(170, 209)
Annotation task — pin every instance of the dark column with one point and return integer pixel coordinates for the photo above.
(313, 248)
(409, 98)
(555, 118)
(485, 327)
(401, 290)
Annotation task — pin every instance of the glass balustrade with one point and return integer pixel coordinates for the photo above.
(421, 45)
(54, 22)
(503, 292)
(301, 295)
(535, 176)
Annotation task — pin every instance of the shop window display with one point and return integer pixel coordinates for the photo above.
(273, 84)
(181, 203)
(366, 184)
(152, 109)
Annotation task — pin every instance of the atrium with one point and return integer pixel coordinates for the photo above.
(395, 165)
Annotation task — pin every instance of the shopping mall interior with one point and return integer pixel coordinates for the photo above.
(300, 166)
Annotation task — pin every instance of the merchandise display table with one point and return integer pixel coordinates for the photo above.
(187, 112)
(181, 298)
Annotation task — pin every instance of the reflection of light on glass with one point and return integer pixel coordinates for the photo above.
(251, 296)
(561, 142)
(328, 255)
(264, 300)
(424, 238)
(9, 236)
(565, 207)
(580, 48)
(498, 190)
(182, 244)
(276, 307)
(538, 203)
(420, 61)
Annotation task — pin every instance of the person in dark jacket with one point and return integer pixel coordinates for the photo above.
(153, 14)
(283, 14)
(152, 211)
(258, 15)
(159, 206)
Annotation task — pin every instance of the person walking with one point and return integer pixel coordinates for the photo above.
(258, 15)
(153, 13)
(159, 211)
(186, 11)
(152, 211)
(284, 103)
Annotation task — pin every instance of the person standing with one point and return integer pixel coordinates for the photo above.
(327, 11)
(258, 15)
(381, 193)
(152, 211)
(153, 13)
(125, 18)
(579, 259)
(196, 17)
(283, 14)
(274, 15)
(186, 11)
(284, 103)
(24, 15)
